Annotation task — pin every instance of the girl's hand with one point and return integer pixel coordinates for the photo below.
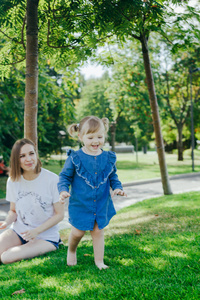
(63, 196)
(3, 225)
(29, 235)
(118, 192)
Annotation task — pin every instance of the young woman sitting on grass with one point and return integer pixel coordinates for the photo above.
(35, 209)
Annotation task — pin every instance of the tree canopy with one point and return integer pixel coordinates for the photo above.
(70, 31)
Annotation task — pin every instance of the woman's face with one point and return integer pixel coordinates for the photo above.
(28, 158)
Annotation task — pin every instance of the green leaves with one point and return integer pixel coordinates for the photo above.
(66, 30)
(11, 111)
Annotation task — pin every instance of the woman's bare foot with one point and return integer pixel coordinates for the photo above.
(71, 258)
(101, 266)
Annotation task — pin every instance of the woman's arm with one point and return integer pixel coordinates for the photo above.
(11, 217)
(58, 216)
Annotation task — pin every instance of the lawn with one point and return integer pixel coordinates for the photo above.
(147, 166)
(130, 168)
(2, 187)
(152, 249)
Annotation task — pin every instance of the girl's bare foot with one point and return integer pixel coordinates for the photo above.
(71, 258)
(101, 266)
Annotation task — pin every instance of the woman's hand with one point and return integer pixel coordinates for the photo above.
(3, 225)
(63, 196)
(118, 192)
(29, 235)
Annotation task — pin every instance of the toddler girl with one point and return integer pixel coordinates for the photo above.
(91, 172)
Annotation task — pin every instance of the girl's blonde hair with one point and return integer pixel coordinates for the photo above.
(89, 124)
(15, 167)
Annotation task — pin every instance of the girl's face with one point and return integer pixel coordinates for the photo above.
(28, 158)
(93, 142)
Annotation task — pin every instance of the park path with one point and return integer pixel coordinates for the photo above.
(136, 191)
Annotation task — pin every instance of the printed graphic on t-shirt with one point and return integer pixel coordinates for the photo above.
(30, 208)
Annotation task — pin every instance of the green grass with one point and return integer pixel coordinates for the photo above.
(147, 166)
(3, 186)
(129, 169)
(152, 249)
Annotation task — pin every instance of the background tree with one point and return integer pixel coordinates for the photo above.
(55, 110)
(93, 99)
(31, 90)
(176, 91)
(137, 20)
(11, 111)
(128, 95)
(66, 32)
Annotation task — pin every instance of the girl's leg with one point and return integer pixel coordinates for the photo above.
(74, 239)
(8, 239)
(98, 245)
(28, 250)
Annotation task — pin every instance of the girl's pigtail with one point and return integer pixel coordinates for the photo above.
(73, 129)
(105, 123)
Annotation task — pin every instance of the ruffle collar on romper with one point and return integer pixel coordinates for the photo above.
(83, 173)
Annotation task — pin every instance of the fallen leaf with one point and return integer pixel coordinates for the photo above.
(86, 254)
(19, 292)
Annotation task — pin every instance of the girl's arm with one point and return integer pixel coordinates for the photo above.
(58, 216)
(114, 180)
(11, 217)
(66, 176)
(116, 184)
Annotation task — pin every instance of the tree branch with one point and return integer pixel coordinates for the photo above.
(22, 34)
(14, 63)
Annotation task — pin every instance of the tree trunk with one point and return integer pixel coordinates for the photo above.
(31, 91)
(113, 133)
(180, 143)
(156, 117)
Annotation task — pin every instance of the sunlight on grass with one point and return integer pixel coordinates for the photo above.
(185, 202)
(158, 262)
(8, 282)
(49, 282)
(80, 286)
(36, 262)
(126, 223)
(174, 254)
(126, 262)
(71, 288)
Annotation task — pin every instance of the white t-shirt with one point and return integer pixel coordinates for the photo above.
(34, 203)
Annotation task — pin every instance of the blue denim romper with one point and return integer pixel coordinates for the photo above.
(90, 178)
